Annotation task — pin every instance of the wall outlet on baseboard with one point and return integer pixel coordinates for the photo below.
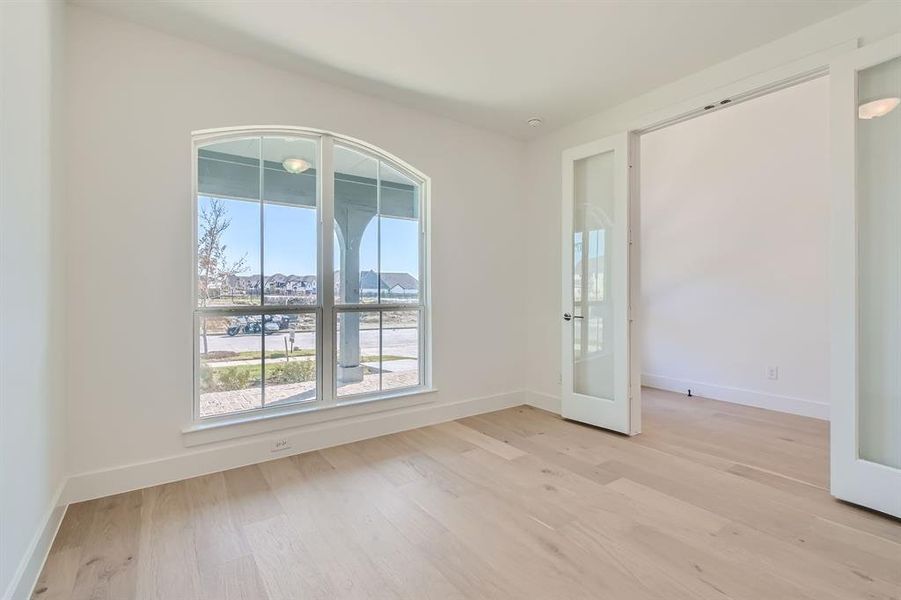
(280, 445)
(772, 373)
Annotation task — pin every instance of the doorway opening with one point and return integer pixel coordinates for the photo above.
(734, 303)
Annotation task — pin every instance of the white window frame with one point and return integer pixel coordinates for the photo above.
(326, 309)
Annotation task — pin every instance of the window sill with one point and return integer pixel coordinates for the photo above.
(300, 415)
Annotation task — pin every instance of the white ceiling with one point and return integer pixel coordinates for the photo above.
(493, 63)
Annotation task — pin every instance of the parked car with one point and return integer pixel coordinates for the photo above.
(253, 325)
(271, 324)
(284, 321)
(243, 325)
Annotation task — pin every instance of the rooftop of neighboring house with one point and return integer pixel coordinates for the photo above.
(388, 280)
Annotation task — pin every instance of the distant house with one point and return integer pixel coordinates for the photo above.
(303, 285)
(398, 285)
(294, 284)
(278, 284)
(240, 285)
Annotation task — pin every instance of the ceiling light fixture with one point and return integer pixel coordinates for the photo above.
(877, 108)
(535, 122)
(295, 165)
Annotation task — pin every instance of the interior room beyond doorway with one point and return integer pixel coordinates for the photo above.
(734, 260)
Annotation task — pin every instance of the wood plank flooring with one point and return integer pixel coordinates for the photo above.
(713, 501)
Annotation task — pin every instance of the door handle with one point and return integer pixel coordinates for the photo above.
(569, 317)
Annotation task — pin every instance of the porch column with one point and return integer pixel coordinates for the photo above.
(352, 220)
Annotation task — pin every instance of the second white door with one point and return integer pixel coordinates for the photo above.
(596, 369)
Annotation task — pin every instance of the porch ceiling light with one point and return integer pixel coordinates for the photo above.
(295, 165)
(877, 108)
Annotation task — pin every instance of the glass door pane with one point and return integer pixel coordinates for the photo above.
(594, 214)
(879, 263)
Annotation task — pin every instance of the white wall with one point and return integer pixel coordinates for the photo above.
(869, 22)
(32, 418)
(134, 97)
(734, 264)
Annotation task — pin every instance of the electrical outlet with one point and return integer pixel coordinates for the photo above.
(280, 445)
(772, 373)
(559, 378)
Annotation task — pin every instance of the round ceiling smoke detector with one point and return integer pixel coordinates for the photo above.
(535, 122)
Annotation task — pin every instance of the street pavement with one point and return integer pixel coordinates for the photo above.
(399, 342)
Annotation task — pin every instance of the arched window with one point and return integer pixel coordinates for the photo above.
(310, 274)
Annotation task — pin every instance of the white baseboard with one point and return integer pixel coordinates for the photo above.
(786, 404)
(542, 401)
(96, 484)
(26, 575)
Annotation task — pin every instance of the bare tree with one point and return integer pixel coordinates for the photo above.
(213, 268)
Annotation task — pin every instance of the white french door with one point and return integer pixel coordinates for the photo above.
(866, 277)
(596, 369)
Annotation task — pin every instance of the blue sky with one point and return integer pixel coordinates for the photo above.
(291, 240)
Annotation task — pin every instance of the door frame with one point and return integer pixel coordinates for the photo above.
(792, 73)
(852, 478)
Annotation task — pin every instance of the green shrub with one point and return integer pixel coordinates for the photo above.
(242, 377)
(235, 378)
(207, 380)
(295, 371)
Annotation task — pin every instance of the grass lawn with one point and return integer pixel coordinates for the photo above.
(242, 377)
(220, 355)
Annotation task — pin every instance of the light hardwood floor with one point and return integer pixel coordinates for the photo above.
(713, 501)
